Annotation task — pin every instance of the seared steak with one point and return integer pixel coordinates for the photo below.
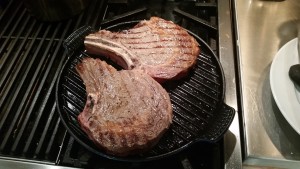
(126, 111)
(161, 48)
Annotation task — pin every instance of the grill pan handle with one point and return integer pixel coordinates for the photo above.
(76, 39)
(221, 124)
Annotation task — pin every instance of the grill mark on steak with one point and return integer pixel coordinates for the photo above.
(165, 35)
(160, 44)
(126, 111)
(148, 39)
(136, 48)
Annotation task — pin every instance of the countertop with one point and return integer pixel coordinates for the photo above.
(262, 28)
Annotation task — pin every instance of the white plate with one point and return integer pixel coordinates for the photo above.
(283, 89)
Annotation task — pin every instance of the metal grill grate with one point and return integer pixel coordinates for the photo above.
(31, 54)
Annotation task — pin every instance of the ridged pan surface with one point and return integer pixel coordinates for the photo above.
(197, 101)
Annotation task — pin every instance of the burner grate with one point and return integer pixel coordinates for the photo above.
(31, 54)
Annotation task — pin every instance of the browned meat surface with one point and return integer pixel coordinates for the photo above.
(161, 48)
(126, 111)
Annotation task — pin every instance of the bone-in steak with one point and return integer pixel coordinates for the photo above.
(126, 111)
(161, 48)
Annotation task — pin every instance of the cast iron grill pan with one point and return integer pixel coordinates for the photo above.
(197, 100)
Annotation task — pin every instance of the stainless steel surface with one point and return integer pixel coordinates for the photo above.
(299, 42)
(232, 148)
(263, 27)
(10, 163)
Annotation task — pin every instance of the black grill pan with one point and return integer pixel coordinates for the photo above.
(197, 100)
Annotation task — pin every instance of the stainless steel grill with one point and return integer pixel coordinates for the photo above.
(31, 55)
